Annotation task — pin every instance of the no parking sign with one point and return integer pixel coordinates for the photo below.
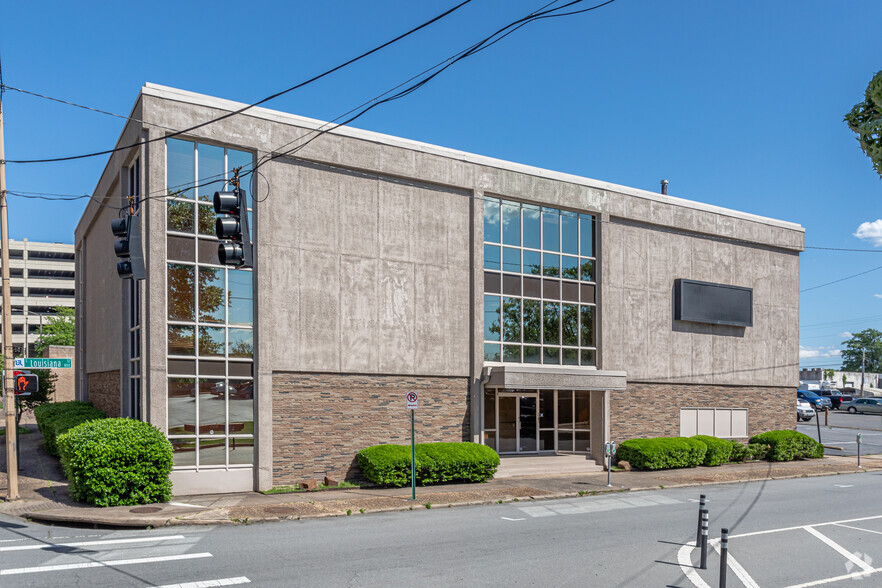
(412, 400)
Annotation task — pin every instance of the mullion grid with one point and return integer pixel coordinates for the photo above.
(196, 324)
(521, 247)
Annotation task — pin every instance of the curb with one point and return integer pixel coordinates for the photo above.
(52, 516)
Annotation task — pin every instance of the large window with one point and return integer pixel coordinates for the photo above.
(134, 393)
(539, 285)
(210, 317)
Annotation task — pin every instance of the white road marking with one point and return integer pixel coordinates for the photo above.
(101, 564)
(841, 550)
(508, 519)
(210, 583)
(766, 532)
(844, 485)
(85, 543)
(577, 506)
(860, 529)
(686, 566)
(736, 567)
(185, 504)
(851, 576)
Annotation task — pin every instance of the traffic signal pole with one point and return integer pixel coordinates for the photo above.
(8, 394)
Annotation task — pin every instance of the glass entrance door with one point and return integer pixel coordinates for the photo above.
(518, 423)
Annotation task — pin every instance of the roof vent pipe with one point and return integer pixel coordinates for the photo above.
(664, 187)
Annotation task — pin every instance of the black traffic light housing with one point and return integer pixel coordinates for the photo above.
(232, 230)
(26, 383)
(128, 247)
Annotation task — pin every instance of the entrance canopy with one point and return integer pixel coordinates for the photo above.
(543, 377)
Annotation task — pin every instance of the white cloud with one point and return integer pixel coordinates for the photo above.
(878, 295)
(870, 231)
(813, 352)
(846, 335)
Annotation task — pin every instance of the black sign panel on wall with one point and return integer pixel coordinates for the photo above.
(716, 304)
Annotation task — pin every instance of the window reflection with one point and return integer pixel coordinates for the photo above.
(241, 343)
(207, 218)
(181, 340)
(570, 325)
(511, 321)
(241, 400)
(491, 257)
(211, 295)
(550, 230)
(569, 233)
(511, 259)
(532, 321)
(211, 341)
(532, 229)
(180, 166)
(240, 297)
(181, 280)
(511, 224)
(551, 322)
(180, 216)
(587, 328)
(491, 318)
(211, 169)
(491, 220)
(181, 406)
(586, 238)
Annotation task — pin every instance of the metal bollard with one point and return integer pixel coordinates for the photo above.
(703, 564)
(702, 506)
(724, 556)
(859, 449)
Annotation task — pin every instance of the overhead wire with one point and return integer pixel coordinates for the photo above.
(255, 104)
(440, 67)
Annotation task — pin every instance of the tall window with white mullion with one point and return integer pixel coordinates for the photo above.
(210, 317)
(539, 284)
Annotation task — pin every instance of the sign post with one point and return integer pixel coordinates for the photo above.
(411, 403)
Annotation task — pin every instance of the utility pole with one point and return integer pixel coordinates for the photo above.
(863, 362)
(8, 394)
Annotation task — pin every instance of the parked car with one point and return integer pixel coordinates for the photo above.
(836, 397)
(864, 405)
(804, 410)
(818, 402)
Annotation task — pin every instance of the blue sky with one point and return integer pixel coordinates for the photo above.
(738, 104)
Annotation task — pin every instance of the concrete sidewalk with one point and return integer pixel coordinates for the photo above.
(45, 497)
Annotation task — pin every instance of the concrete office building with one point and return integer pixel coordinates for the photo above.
(41, 277)
(534, 311)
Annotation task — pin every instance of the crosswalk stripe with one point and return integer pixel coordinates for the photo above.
(85, 543)
(99, 564)
(210, 583)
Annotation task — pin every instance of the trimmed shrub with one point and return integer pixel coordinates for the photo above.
(55, 418)
(787, 445)
(749, 452)
(718, 450)
(389, 465)
(661, 453)
(113, 462)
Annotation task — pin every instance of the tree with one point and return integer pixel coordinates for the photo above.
(865, 120)
(60, 330)
(869, 340)
(828, 374)
(43, 394)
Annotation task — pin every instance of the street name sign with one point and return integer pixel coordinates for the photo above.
(40, 363)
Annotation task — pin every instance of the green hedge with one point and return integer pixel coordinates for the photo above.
(389, 465)
(113, 462)
(749, 452)
(55, 418)
(788, 445)
(661, 453)
(718, 450)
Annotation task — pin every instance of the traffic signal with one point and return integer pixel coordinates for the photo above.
(128, 247)
(232, 229)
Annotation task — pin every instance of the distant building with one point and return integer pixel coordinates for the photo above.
(813, 378)
(41, 278)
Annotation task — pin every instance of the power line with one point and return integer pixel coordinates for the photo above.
(258, 103)
(98, 110)
(440, 67)
(841, 249)
(841, 279)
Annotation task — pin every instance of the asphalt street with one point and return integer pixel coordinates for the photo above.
(841, 431)
(785, 533)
